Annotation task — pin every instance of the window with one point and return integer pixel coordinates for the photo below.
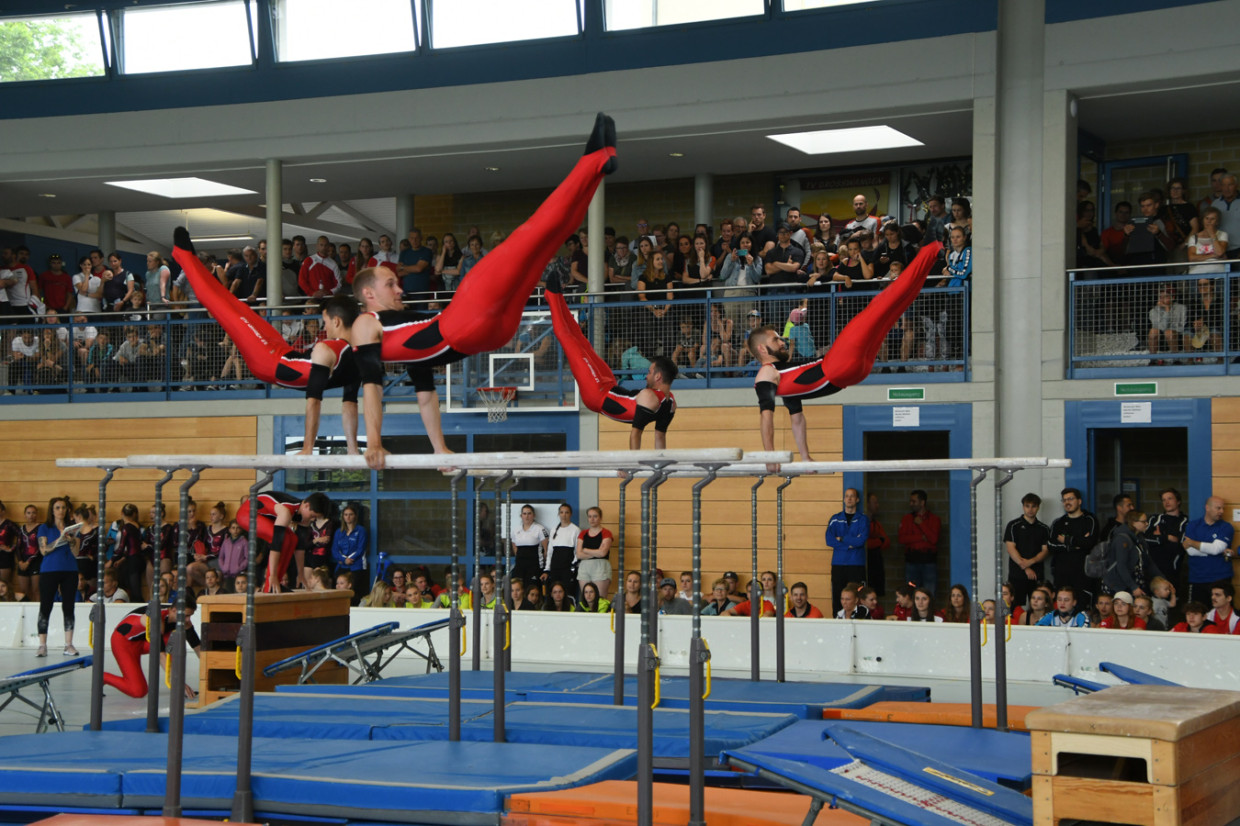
(638, 14)
(471, 22)
(331, 482)
(50, 48)
(526, 443)
(802, 5)
(418, 527)
(176, 38)
(429, 480)
(322, 29)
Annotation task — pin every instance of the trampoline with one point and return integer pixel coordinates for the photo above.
(802, 699)
(454, 783)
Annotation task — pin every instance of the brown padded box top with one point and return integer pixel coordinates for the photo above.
(1159, 712)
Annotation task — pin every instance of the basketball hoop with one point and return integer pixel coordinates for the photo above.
(496, 400)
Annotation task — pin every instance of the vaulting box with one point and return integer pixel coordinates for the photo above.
(1146, 755)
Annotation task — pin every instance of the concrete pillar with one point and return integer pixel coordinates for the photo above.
(404, 219)
(275, 231)
(1020, 191)
(596, 267)
(107, 231)
(703, 199)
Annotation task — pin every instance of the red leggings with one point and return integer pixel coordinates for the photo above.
(261, 346)
(486, 310)
(128, 655)
(594, 378)
(266, 532)
(852, 354)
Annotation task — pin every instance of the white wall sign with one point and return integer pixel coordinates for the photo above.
(906, 417)
(1135, 412)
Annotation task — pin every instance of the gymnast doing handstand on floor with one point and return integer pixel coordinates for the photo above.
(847, 362)
(485, 311)
(600, 391)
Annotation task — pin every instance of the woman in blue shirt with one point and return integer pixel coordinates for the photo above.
(58, 572)
(349, 545)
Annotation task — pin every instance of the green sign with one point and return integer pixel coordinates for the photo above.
(906, 394)
(1136, 388)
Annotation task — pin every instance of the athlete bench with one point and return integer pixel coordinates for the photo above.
(42, 677)
(366, 653)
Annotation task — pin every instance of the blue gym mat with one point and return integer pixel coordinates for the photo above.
(349, 717)
(805, 700)
(843, 769)
(423, 782)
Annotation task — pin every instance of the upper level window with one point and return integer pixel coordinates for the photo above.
(48, 48)
(473, 22)
(801, 5)
(638, 14)
(195, 36)
(321, 29)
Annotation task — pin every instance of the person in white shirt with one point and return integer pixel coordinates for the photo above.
(558, 566)
(15, 281)
(88, 287)
(529, 545)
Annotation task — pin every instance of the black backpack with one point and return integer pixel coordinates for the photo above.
(1099, 560)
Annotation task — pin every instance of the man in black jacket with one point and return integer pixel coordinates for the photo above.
(1073, 536)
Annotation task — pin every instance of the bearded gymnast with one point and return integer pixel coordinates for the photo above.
(600, 391)
(485, 311)
(270, 358)
(849, 360)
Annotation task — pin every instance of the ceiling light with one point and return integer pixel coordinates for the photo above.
(490, 168)
(182, 187)
(318, 180)
(47, 194)
(855, 139)
(675, 154)
(220, 239)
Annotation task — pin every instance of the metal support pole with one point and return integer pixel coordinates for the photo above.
(975, 607)
(455, 619)
(699, 655)
(243, 798)
(176, 692)
(155, 625)
(508, 563)
(499, 624)
(475, 585)
(1001, 610)
(779, 580)
(617, 607)
(98, 613)
(648, 660)
(755, 645)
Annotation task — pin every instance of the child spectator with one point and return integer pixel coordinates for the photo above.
(1195, 621)
(1123, 615)
(923, 607)
(1164, 599)
(904, 603)
(1039, 607)
(1065, 614)
(1143, 607)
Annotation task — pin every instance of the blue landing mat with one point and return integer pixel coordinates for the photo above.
(425, 782)
(799, 757)
(805, 700)
(349, 717)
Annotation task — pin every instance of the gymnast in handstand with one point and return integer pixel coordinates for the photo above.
(270, 358)
(485, 311)
(600, 391)
(847, 362)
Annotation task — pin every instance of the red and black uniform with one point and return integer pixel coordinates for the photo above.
(166, 547)
(485, 312)
(129, 643)
(319, 551)
(852, 354)
(269, 357)
(128, 559)
(600, 391)
(10, 540)
(27, 550)
(215, 541)
(281, 540)
(88, 554)
(197, 541)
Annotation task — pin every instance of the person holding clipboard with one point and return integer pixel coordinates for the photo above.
(58, 572)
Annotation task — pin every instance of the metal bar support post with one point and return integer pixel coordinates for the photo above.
(508, 563)
(98, 613)
(647, 658)
(455, 618)
(755, 645)
(155, 628)
(475, 584)
(699, 656)
(499, 624)
(779, 580)
(1001, 609)
(617, 607)
(975, 606)
(243, 797)
(176, 643)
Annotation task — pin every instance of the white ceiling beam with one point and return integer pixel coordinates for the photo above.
(366, 221)
(329, 228)
(75, 221)
(151, 243)
(53, 221)
(319, 209)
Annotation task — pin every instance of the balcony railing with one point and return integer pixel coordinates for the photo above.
(1168, 319)
(185, 355)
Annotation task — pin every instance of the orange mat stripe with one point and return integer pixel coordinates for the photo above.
(614, 803)
(940, 714)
